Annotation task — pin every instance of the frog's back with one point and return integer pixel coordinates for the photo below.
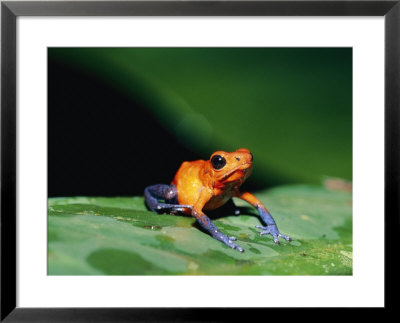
(188, 181)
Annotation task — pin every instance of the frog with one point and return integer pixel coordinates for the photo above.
(205, 185)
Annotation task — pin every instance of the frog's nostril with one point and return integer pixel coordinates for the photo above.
(237, 158)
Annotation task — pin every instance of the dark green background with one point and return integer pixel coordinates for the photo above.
(124, 118)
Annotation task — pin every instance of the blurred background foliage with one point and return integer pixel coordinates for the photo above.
(124, 118)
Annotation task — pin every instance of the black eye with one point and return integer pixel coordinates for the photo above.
(218, 161)
(251, 156)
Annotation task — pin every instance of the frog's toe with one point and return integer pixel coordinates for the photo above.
(287, 238)
(237, 247)
(229, 242)
(265, 230)
(274, 236)
(234, 245)
(274, 232)
(240, 249)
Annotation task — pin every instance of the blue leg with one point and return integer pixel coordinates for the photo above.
(266, 217)
(166, 193)
(207, 224)
(212, 229)
(270, 227)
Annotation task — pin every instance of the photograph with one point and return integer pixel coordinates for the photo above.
(200, 161)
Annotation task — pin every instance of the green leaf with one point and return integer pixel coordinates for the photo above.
(119, 236)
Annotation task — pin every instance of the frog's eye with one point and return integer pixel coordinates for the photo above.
(218, 162)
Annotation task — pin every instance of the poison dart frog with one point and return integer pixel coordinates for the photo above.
(203, 185)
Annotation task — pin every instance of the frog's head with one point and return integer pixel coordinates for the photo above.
(231, 166)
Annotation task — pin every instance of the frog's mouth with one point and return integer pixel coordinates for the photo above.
(240, 172)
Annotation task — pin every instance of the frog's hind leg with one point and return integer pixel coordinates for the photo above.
(166, 193)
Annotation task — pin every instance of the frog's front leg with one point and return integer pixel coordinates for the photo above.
(267, 218)
(163, 192)
(207, 224)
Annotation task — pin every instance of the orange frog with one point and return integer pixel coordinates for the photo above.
(203, 185)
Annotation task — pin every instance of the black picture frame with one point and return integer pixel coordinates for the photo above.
(10, 10)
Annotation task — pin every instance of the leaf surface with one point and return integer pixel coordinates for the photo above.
(119, 236)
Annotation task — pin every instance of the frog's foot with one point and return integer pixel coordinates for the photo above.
(227, 240)
(211, 228)
(273, 231)
(165, 193)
